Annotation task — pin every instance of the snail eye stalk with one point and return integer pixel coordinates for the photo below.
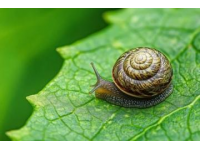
(99, 79)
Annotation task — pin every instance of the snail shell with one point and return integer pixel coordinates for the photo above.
(142, 72)
(142, 78)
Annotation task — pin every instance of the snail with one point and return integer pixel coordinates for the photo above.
(142, 77)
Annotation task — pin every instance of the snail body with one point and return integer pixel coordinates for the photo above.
(142, 78)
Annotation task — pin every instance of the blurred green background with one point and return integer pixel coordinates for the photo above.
(28, 57)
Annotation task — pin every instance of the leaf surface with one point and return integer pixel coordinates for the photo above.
(65, 111)
(28, 59)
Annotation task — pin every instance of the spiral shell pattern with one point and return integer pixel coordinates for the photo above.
(142, 72)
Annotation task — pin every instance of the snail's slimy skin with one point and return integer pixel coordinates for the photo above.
(110, 93)
(142, 77)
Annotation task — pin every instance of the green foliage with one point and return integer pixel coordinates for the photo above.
(28, 59)
(64, 110)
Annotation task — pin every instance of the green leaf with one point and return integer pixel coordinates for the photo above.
(64, 110)
(28, 59)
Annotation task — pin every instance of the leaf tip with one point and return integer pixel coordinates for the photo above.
(10, 134)
(17, 135)
(32, 99)
(65, 51)
(112, 16)
(59, 49)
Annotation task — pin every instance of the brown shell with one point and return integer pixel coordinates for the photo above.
(142, 72)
